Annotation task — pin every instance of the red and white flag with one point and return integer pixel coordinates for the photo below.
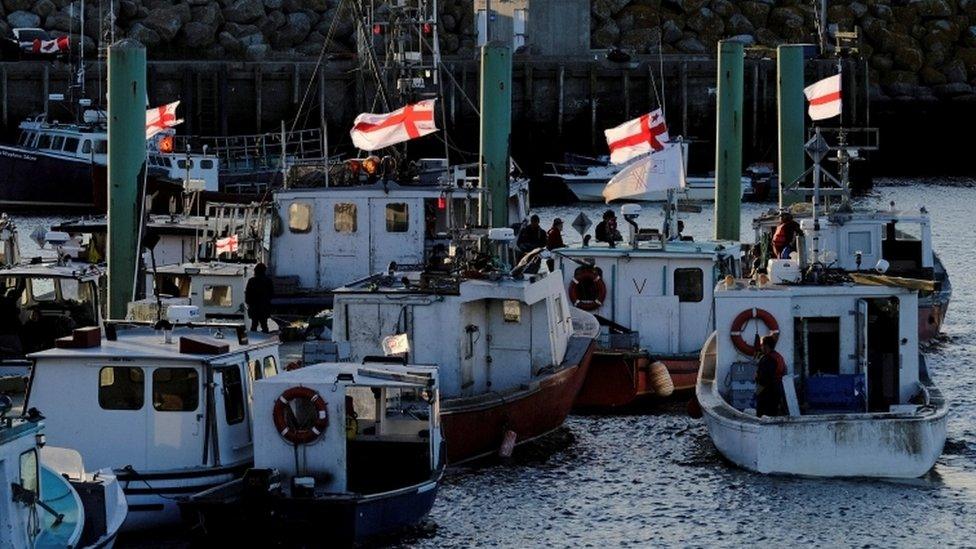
(636, 137)
(824, 98)
(226, 245)
(161, 118)
(375, 131)
(54, 46)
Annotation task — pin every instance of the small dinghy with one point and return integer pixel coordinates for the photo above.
(46, 497)
(343, 453)
(858, 401)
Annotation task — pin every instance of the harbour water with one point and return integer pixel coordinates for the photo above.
(655, 479)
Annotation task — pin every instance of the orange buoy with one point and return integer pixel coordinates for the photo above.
(694, 408)
(661, 380)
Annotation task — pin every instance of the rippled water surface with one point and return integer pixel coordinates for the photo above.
(655, 479)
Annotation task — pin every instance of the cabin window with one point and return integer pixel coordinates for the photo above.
(57, 142)
(860, 241)
(181, 164)
(175, 389)
(299, 217)
(270, 367)
(218, 295)
(42, 289)
(817, 345)
(101, 147)
(233, 395)
(206, 164)
(24, 138)
(254, 367)
(345, 217)
(29, 477)
(689, 285)
(397, 218)
(121, 388)
(44, 142)
(512, 310)
(86, 147)
(71, 144)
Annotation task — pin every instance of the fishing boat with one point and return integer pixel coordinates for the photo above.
(859, 400)
(509, 362)
(653, 297)
(166, 407)
(47, 500)
(343, 453)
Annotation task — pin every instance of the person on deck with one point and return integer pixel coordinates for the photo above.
(769, 379)
(10, 325)
(785, 235)
(532, 236)
(258, 295)
(554, 240)
(606, 230)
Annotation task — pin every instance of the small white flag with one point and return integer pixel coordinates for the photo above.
(657, 172)
(396, 344)
(375, 131)
(825, 98)
(161, 118)
(226, 245)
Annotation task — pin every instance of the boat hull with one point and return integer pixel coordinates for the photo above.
(621, 379)
(227, 513)
(36, 180)
(476, 427)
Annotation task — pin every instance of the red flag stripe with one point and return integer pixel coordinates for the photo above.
(408, 118)
(647, 134)
(830, 97)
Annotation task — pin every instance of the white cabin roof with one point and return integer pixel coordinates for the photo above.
(143, 342)
(212, 268)
(745, 291)
(84, 271)
(389, 190)
(706, 249)
(371, 375)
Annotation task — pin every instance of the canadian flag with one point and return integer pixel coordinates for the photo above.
(160, 118)
(636, 137)
(375, 131)
(226, 245)
(57, 45)
(824, 97)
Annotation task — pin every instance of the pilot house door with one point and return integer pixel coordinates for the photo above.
(862, 345)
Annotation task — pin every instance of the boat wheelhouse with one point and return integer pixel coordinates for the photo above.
(47, 500)
(508, 359)
(859, 399)
(858, 240)
(215, 289)
(168, 409)
(654, 299)
(345, 451)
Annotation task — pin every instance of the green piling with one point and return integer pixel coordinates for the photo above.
(496, 129)
(126, 161)
(790, 103)
(728, 140)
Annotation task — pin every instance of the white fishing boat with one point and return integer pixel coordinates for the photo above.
(653, 296)
(47, 500)
(167, 409)
(343, 452)
(509, 362)
(859, 400)
(214, 289)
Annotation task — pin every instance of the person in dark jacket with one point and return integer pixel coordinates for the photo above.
(606, 230)
(532, 236)
(257, 295)
(769, 379)
(554, 240)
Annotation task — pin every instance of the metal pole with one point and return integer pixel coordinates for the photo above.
(728, 142)
(126, 168)
(496, 129)
(789, 99)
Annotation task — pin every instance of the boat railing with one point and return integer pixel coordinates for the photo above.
(558, 169)
(258, 152)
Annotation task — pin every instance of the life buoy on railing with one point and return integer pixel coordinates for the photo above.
(740, 322)
(285, 420)
(587, 290)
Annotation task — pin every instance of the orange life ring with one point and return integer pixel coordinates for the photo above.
(282, 409)
(587, 290)
(740, 322)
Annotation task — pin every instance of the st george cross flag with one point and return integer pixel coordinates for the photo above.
(160, 118)
(654, 173)
(227, 245)
(636, 137)
(375, 131)
(824, 98)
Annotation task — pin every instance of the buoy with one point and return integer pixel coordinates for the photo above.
(694, 408)
(661, 380)
(508, 444)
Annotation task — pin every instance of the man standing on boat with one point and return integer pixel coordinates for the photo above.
(606, 230)
(532, 236)
(769, 379)
(258, 295)
(785, 235)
